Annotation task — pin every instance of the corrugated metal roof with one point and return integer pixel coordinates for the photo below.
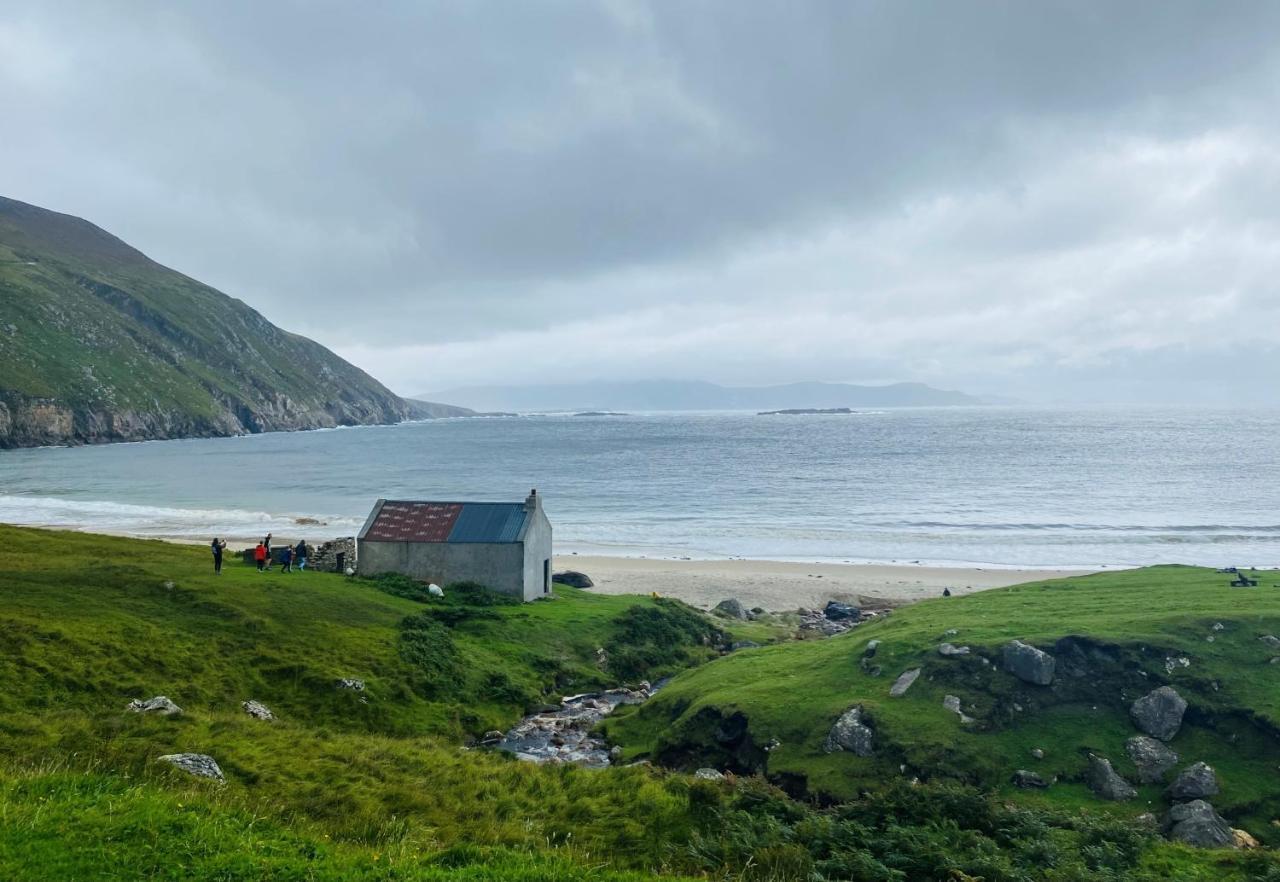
(401, 521)
(414, 522)
(489, 522)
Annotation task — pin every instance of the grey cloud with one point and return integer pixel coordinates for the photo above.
(914, 191)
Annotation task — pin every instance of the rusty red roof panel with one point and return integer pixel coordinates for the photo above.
(415, 522)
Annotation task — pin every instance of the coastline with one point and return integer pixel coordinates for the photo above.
(783, 585)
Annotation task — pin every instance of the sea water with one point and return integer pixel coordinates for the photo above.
(1038, 487)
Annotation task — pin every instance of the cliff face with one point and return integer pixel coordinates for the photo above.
(100, 343)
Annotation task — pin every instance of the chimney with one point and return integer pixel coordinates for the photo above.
(532, 502)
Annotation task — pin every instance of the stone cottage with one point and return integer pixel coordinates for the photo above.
(505, 546)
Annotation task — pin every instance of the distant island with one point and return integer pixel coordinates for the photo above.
(598, 413)
(803, 411)
(100, 343)
(693, 395)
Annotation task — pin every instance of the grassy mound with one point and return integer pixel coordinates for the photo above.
(1115, 636)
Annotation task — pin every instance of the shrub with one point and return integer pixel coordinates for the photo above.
(428, 646)
(645, 638)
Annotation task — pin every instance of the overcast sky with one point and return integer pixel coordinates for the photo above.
(1059, 201)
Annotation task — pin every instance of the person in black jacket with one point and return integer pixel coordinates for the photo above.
(300, 554)
(218, 546)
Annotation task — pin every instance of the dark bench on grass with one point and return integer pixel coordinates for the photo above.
(1243, 581)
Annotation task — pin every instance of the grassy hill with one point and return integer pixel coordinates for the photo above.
(382, 785)
(100, 343)
(1115, 637)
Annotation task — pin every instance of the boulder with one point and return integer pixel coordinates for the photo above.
(851, 733)
(1028, 664)
(573, 579)
(493, 736)
(870, 651)
(158, 705)
(352, 684)
(1196, 781)
(198, 764)
(257, 710)
(840, 611)
(1106, 781)
(1271, 640)
(903, 683)
(709, 775)
(1196, 823)
(950, 650)
(1151, 757)
(1159, 712)
(1027, 780)
(1037, 753)
(731, 609)
(1243, 839)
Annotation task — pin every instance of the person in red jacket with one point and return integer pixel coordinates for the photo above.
(260, 555)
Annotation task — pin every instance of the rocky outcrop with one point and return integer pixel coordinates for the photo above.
(952, 703)
(1028, 664)
(1159, 712)
(158, 705)
(1152, 758)
(851, 733)
(1196, 781)
(903, 683)
(1196, 823)
(573, 579)
(1029, 780)
(950, 650)
(731, 608)
(257, 710)
(709, 775)
(199, 764)
(351, 683)
(836, 611)
(1106, 782)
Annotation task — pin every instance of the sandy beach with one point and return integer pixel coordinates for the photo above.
(781, 585)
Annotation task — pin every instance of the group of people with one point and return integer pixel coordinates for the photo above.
(292, 554)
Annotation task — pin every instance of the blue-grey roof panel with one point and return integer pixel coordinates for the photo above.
(488, 522)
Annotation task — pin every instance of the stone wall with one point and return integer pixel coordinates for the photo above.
(324, 556)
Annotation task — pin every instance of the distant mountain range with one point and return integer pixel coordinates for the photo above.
(100, 343)
(695, 395)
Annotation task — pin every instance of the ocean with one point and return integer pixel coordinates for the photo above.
(1027, 487)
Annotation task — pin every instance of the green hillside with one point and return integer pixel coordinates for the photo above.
(100, 343)
(1115, 638)
(386, 783)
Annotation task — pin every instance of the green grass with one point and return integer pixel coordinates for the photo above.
(794, 692)
(338, 788)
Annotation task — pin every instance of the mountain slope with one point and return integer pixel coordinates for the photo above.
(100, 343)
(695, 395)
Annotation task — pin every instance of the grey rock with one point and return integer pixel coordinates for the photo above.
(158, 705)
(851, 733)
(731, 609)
(573, 579)
(872, 670)
(870, 651)
(350, 683)
(1106, 781)
(1037, 753)
(493, 736)
(840, 611)
(709, 775)
(1027, 779)
(950, 632)
(743, 644)
(257, 710)
(1151, 757)
(950, 650)
(1197, 824)
(1028, 664)
(1271, 640)
(1196, 781)
(903, 683)
(951, 703)
(198, 764)
(1159, 712)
